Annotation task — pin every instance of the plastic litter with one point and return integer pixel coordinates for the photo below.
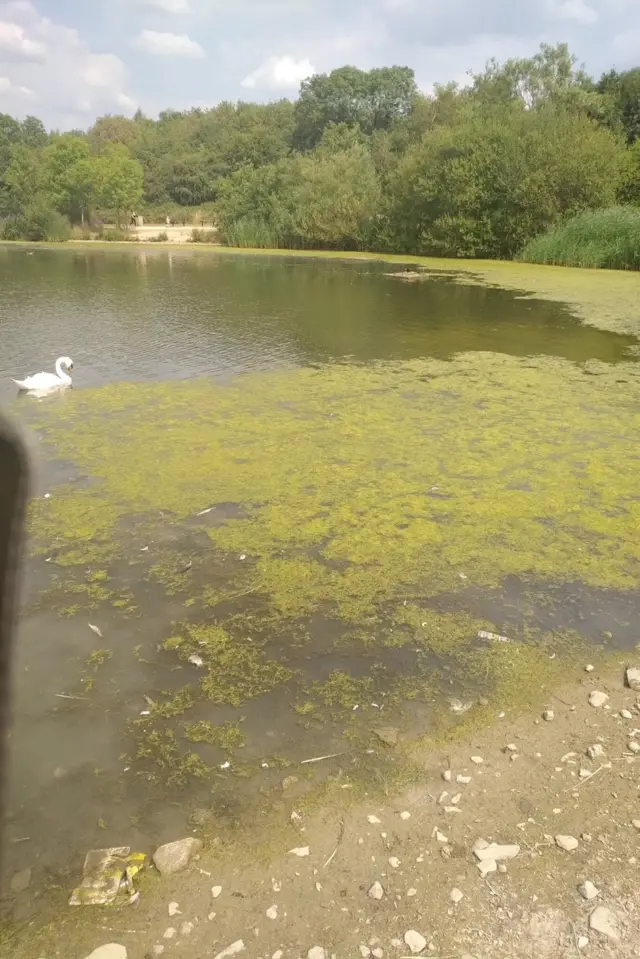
(108, 874)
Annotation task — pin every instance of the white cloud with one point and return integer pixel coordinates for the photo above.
(15, 44)
(169, 45)
(51, 64)
(576, 10)
(279, 73)
(167, 6)
(6, 86)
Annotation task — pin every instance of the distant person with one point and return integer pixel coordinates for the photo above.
(168, 221)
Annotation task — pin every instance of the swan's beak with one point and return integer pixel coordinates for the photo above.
(70, 366)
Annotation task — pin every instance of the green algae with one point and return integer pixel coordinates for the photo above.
(227, 737)
(368, 496)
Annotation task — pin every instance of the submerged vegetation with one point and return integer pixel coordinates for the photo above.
(407, 491)
(360, 161)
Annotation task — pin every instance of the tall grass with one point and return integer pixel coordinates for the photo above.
(251, 233)
(604, 239)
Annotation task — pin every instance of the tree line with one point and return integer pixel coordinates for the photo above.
(361, 160)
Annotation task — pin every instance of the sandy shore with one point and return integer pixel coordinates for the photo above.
(385, 874)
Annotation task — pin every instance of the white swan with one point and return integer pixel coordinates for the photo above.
(46, 382)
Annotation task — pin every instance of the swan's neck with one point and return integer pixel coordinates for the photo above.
(62, 373)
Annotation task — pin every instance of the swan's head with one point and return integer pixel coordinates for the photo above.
(67, 362)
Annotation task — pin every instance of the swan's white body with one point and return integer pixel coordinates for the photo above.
(46, 382)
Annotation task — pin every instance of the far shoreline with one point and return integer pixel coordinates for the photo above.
(605, 299)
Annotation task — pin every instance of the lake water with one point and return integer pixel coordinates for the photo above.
(289, 493)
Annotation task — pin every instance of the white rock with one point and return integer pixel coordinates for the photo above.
(317, 953)
(633, 678)
(447, 775)
(484, 851)
(272, 912)
(478, 760)
(633, 746)
(376, 891)
(169, 933)
(568, 843)
(186, 928)
(451, 809)
(487, 866)
(597, 698)
(174, 909)
(394, 862)
(595, 752)
(456, 895)
(587, 890)
(231, 950)
(278, 955)
(548, 715)
(626, 714)
(606, 922)
(365, 952)
(216, 891)
(415, 941)
(374, 821)
(456, 799)
(110, 951)
(377, 953)
(583, 942)
(443, 799)
(158, 950)
(412, 892)
(440, 837)
(635, 823)
(405, 815)
(176, 856)
(300, 851)
(463, 780)
(588, 669)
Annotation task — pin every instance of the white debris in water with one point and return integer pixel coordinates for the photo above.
(196, 661)
(96, 630)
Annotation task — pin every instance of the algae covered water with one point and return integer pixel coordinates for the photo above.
(286, 496)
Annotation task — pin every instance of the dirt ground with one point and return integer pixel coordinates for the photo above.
(175, 234)
(535, 782)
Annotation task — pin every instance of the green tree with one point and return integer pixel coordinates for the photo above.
(487, 185)
(33, 133)
(24, 179)
(373, 101)
(120, 180)
(623, 90)
(65, 160)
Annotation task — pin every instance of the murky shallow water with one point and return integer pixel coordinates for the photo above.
(386, 468)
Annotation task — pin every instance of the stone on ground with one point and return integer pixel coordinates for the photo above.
(415, 941)
(595, 752)
(597, 698)
(587, 890)
(633, 678)
(387, 734)
(231, 950)
(604, 921)
(176, 856)
(317, 952)
(568, 843)
(456, 895)
(110, 951)
(496, 851)
(376, 891)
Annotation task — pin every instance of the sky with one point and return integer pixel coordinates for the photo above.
(69, 61)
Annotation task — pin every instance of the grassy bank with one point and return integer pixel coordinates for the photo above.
(600, 239)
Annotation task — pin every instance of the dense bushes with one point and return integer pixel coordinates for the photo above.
(38, 223)
(608, 239)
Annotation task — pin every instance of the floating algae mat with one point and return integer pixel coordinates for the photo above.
(308, 555)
